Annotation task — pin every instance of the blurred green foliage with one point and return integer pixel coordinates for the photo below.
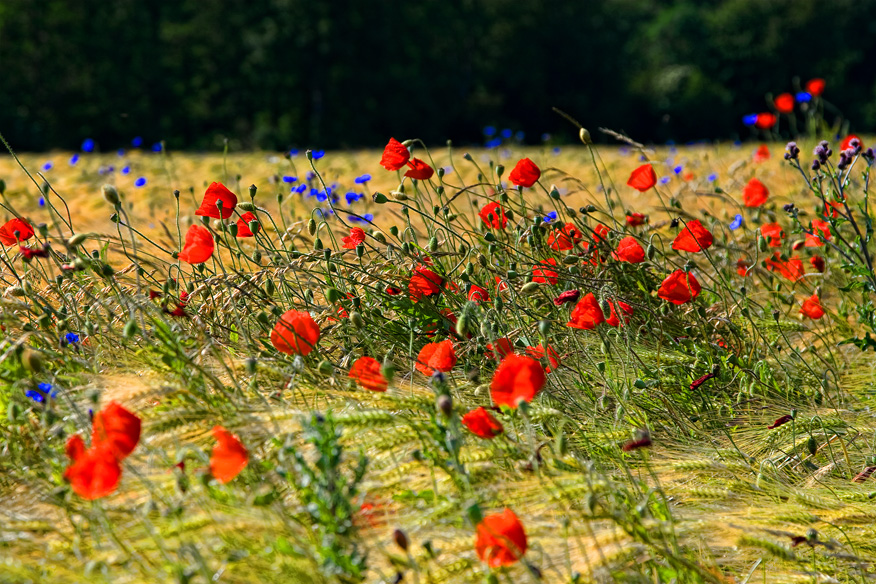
(346, 73)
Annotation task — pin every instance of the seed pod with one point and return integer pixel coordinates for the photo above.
(232, 229)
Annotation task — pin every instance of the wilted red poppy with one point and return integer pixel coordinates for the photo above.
(693, 238)
(791, 269)
(517, 378)
(419, 170)
(643, 178)
(821, 228)
(502, 347)
(243, 229)
(28, 253)
(587, 314)
(780, 422)
(812, 307)
(436, 357)
(540, 352)
(501, 540)
(679, 287)
(847, 142)
(636, 219)
(817, 263)
(629, 250)
(567, 296)
(525, 173)
(815, 87)
(199, 245)
(755, 193)
(395, 155)
(95, 472)
(296, 333)
(784, 103)
(209, 207)
(543, 274)
(625, 309)
(493, 216)
(366, 372)
(762, 154)
(765, 121)
(424, 282)
(478, 294)
(229, 457)
(15, 231)
(773, 233)
(742, 266)
(564, 238)
(482, 423)
(117, 428)
(393, 291)
(357, 236)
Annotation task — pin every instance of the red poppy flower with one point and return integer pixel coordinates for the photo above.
(393, 291)
(199, 245)
(482, 423)
(762, 154)
(217, 192)
(812, 307)
(117, 428)
(424, 282)
(847, 142)
(821, 228)
(784, 103)
(567, 296)
(625, 309)
(356, 237)
(395, 155)
(478, 294)
(815, 87)
(564, 238)
(75, 447)
(792, 269)
(817, 263)
(643, 178)
(493, 216)
(679, 287)
(517, 378)
(755, 193)
(600, 232)
(543, 274)
(629, 250)
(419, 170)
(587, 314)
(636, 219)
(765, 121)
(539, 352)
(501, 285)
(229, 457)
(502, 347)
(436, 357)
(742, 266)
(525, 173)
(501, 540)
(295, 333)
(693, 238)
(95, 472)
(243, 229)
(15, 231)
(366, 372)
(773, 233)
(29, 253)
(780, 422)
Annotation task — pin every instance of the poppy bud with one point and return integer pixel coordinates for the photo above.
(77, 240)
(394, 230)
(529, 288)
(317, 244)
(433, 244)
(333, 295)
(130, 329)
(401, 539)
(32, 361)
(812, 445)
(380, 237)
(357, 320)
(467, 156)
(2, 186)
(444, 403)
(570, 260)
(544, 327)
(584, 135)
(232, 229)
(251, 365)
(263, 317)
(252, 191)
(111, 195)
(462, 325)
(325, 368)
(257, 256)
(555, 194)
(399, 196)
(311, 226)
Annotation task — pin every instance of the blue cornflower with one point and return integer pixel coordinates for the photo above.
(712, 177)
(623, 151)
(157, 147)
(507, 133)
(71, 338)
(665, 180)
(126, 170)
(120, 152)
(317, 154)
(353, 196)
(361, 180)
(48, 165)
(552, 216)
(749, 120)
(290, 179)
(678, 169)
(494, 143)
(137, 142)
(42, 202)
(556, 150)
(140, 182)
(88, 145)
(803, 97)
(293, 152)
(74, 159)
(489, 131)
(736, 223)
(519, 135)
(300, 188)
(311, 175)
(45, 389)
(643, 158)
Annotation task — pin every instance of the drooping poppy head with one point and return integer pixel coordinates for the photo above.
(229, 456)
(501, 540)
(517, 378)
(815, 86)
(95, 472)
(366, 371)
(792, 268)
(419, 170)
(493, 216)
(395, 155)
(636, 219)
(525, 173)
(117, 428)
(15, 231)
(296, 333)
(210, 205)
(626, 311)
(762, 154)
(436, 357)
(679, 287)
(784, 103)
(765, 121)
(587, 314)
(643, 178)
(424, 282)
(567, 297)
(564, 238)
(482, 423)
(629, 250)
(773, 233)
(820, 234)
(199, 245)
(502, 347)
(243, 229)
(540, 352)
(812, 307)
(357, 236)
(755, 193)
(478, 294)
(543, 273)
(693, 238)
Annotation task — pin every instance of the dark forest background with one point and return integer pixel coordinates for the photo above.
(348, 73)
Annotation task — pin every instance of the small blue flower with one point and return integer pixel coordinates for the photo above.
(120, 152)
(137, 142)
(74, 159)
(45, 389)
(507, 133)
(310, 175)
(88, 145)
(712, 177)
(300, 189)
(48, 165)
(126, 170)
(749, 120)
(643, 158)
(489, 131)
(157, 147)
(294, 152)
(552, 216)
(803, 97)
(678, 169)
(317, 154)
(737, 143)
(140, 182)
(624, 151)
(556, 150)
(495, 142)
(665, 180)
(736, 223)
(42, 202)
(71, 338)
(361, 180)
(290, 179)
(353, 196)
